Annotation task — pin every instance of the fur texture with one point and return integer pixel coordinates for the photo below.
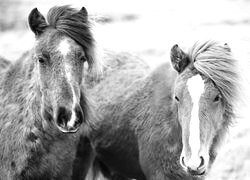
(32, 146)
(141, 133)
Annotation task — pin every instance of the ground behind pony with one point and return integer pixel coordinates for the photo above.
(148, 29)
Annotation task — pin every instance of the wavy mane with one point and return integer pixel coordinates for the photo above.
(216, 62)
(75, 24)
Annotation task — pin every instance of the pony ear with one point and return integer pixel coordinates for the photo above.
(84, 11)
(179, 59)
(37, 22)
(227, 47)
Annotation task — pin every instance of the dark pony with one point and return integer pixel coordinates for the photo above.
(169, 124)
(43, 106)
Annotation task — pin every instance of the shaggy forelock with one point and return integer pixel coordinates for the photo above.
(216, 62)
(75, 24)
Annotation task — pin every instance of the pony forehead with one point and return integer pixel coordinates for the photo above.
(216, 63)
(56, 42)
(195, 86)
(64, 47)
(72, 23)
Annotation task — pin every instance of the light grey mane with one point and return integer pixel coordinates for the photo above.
(216, 62)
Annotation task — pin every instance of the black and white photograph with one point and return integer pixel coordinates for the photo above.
(124, 90)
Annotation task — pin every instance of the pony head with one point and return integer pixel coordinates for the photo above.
(63, 44)
(205, 92)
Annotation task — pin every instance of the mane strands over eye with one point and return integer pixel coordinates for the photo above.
(216, 62)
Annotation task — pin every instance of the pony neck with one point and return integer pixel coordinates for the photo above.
(159, 103)
(163, 107)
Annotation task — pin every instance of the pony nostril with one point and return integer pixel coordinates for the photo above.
(79, 115)
(183, 162)
(63, 116)
(202, 164)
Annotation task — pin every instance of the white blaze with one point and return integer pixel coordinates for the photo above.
(195, 87)
(69, 79)
(64, 49)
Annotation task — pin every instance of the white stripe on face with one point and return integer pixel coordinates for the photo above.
(69, 79)
(195, 87)
(64, 47)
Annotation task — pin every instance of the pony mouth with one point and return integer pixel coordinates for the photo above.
(67, 129)
(196, 173)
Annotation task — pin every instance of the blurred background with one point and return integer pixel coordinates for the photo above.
(148, 29)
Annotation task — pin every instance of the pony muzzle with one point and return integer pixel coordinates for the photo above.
(195, 165)
(68, 120)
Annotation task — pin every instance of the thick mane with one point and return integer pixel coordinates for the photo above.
(216, 62)
(75, 24)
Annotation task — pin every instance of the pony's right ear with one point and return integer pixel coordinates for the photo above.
(179, 59)
(37, 22)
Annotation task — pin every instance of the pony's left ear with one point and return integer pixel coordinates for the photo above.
(84, 11)
(227, 47)
(37, 22)
(179, 58)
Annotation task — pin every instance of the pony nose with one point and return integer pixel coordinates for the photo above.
(69, 121)
(197, 168)
(63, 116)
(194, 167)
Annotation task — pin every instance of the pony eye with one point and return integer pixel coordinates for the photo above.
(176, 98)
(41, 60)
(217, 98)
(83, 58)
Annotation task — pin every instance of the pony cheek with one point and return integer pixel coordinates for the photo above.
(46, 109)
(218, 119)
(46, 113)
